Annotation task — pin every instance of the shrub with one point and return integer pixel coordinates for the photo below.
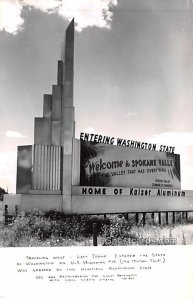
(59, 229)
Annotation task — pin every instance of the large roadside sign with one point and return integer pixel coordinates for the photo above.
(111, 165)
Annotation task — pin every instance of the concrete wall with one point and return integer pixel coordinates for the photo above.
(99, 204)
(24, 169)
(56, 103)
(47, 110)
(60, 73)
(28, 202)
(41, 202)
(11, 201)
(42, 131)
(120, 204)
(56, 133)
(76, 163)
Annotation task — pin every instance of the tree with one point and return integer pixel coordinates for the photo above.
(2, 192)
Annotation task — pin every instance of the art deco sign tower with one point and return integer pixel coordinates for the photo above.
(91, 175)
(46, 167)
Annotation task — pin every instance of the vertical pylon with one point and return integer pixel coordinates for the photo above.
(67, 133)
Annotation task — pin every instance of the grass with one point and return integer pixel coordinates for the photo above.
(58, 229)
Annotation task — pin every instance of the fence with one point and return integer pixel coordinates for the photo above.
(142, 218)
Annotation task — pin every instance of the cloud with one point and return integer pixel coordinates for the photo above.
(131, 114)
(14, 134)
(10, 16)
(86, 12)
(89, 130)
(173, 138)
(49, 6)
(92, 130)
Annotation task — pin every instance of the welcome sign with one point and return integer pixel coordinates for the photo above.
(109, 165)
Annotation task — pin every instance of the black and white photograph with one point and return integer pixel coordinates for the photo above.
(96, 135)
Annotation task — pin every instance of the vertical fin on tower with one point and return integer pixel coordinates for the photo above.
(68, 115)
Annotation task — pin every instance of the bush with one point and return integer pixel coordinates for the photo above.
(117, 232)
(55, 224)
(59, 229)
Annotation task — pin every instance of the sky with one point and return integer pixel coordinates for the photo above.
(133, 73)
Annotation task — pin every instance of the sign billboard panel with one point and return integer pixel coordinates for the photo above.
(110, 165)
